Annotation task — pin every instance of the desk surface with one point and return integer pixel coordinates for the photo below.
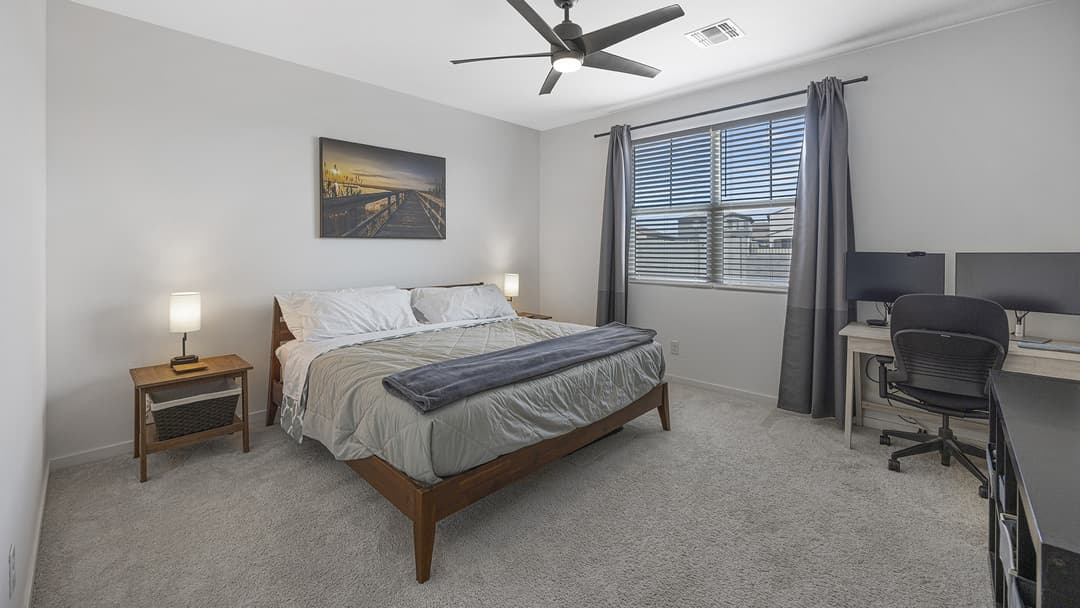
(1042, 420)
(868, 332)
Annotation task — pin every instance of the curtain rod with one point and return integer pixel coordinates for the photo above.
(733, 107)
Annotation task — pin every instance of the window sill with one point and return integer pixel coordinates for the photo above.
(751, 288)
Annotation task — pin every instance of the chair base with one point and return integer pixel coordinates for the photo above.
(945, 444)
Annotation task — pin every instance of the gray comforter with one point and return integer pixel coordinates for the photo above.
(435, 385)
(354, 416)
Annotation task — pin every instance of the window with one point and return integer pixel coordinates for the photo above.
(716, 206)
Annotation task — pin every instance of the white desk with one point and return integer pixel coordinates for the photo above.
(864, 339)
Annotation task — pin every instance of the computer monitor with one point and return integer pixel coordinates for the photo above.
(884, 277)
(1022, 282)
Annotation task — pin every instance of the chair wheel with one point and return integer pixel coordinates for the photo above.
(894, 464)
(984, 492)
(884, 440)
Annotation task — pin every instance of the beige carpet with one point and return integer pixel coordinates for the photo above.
(740, 505)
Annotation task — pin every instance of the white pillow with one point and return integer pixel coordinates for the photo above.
(442, 304)
(294, 301)
(321, 315)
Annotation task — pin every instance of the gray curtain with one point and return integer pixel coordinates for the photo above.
(814, 358)
(614, 236)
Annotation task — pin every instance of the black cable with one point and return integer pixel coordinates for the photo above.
(911, 421)
(915, 423)
(866, 371)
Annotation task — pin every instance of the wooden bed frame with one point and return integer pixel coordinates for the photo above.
(426, 505)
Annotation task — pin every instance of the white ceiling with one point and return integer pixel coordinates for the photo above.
(406, 45)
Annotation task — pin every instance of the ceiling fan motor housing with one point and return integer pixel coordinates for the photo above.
(570, 33)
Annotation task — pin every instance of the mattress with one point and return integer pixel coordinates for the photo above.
(344, 405)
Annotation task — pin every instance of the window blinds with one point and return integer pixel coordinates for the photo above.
(718, 205)
(673, 172)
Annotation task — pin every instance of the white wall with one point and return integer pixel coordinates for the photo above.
(177, 163)
(22, 274)
(965, 139)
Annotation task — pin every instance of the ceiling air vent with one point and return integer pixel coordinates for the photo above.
(716, 33)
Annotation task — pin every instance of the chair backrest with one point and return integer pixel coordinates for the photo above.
(948, 344)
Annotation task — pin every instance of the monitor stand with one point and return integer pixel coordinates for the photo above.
(1019, 335)
(1031, 339)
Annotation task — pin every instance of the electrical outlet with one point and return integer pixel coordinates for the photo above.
(11, 572)
(674, 347)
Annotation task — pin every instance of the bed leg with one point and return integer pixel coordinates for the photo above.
(271, 409)
(423, 535)
(664, 409)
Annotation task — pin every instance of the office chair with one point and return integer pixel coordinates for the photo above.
(945, 347)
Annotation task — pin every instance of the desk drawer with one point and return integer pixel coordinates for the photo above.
(1020, 592)
(999, 492)
(991, 470)
(997, 480)
(1006, 544)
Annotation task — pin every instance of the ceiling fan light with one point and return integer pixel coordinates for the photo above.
(566, 64)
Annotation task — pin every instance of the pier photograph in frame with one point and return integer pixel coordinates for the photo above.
(367, 192)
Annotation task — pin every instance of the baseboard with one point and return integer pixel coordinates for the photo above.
(31, 565)
(255, 419)
(972, 432)
(719, 387)
(91, 455)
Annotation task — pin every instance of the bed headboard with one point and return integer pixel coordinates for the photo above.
(280, 334)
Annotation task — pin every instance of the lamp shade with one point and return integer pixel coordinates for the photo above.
(510, 285)
(185, 312)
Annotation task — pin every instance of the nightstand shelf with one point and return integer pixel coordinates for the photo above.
(153, 445)
(153, 377)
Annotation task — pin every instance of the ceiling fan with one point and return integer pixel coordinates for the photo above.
(571, 48)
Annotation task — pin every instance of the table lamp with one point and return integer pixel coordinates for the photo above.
(185, 314)
(510, 286)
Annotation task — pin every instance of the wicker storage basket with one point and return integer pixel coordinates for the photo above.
(187, 409)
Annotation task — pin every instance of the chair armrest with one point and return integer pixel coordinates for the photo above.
(883, 375)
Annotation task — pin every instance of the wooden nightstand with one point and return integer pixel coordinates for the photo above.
(533, 315)
(157, 376)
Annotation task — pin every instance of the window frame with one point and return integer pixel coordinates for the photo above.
(715, 208)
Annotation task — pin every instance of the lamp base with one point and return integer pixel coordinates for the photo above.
(183, 360)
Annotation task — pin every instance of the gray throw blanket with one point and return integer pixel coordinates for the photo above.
(430, 387)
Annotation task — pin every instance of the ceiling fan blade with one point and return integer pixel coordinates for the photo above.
(612, 34)
(549, 82)
(603, 60)
(538, 23)
(460, 61)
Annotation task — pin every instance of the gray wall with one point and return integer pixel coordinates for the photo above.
(965, 139)
(22, 274)
(176, 163)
